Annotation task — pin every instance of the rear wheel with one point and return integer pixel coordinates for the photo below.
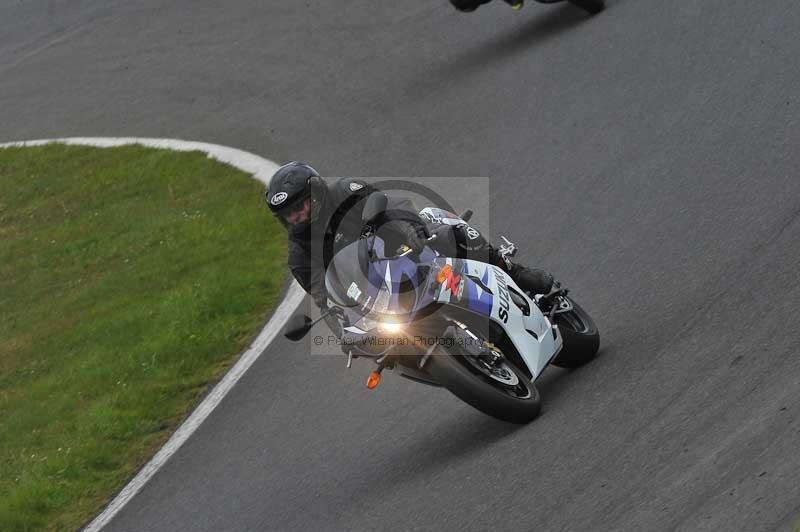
(501, 389)
(592, 6)
(581, 337)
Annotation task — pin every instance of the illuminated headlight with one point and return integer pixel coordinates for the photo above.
(389, 327)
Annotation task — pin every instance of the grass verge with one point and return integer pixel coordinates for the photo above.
(130, 279)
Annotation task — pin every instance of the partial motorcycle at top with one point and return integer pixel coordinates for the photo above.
(591, 6)
(447, 321)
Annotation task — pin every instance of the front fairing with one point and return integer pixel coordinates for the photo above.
(487, 292)
(374, 287)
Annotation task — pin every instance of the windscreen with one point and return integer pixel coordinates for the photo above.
(362, 278)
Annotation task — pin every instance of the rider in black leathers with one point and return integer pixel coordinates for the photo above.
(322, 218)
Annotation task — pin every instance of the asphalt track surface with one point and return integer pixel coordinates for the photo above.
(648, 156)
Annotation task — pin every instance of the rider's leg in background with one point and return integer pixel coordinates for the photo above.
(466, 242)
(533, 280)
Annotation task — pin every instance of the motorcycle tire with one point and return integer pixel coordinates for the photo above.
(519, 403)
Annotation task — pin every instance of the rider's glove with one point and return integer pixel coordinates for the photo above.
(320, 300)
(414, 233)
(336, 311)
(333, 318)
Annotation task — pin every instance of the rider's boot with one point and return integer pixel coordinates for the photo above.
(531, 280)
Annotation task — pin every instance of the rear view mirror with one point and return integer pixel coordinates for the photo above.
(297, 327)
(375, 206)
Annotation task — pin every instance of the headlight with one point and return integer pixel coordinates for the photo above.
(389, 327)
(383, 325)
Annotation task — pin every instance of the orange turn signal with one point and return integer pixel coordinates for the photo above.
(445, 273)
(373, 380)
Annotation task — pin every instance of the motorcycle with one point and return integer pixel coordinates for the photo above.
(452, 322)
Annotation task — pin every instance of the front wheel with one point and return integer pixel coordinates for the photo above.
(592, 6)
(501, 390)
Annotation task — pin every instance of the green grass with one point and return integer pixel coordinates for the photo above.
(130, 279)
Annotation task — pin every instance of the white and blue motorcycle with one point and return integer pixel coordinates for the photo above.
(457, 323)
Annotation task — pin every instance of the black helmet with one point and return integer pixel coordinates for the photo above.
(289, 188)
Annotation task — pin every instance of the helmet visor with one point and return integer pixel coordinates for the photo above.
(298, 214)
